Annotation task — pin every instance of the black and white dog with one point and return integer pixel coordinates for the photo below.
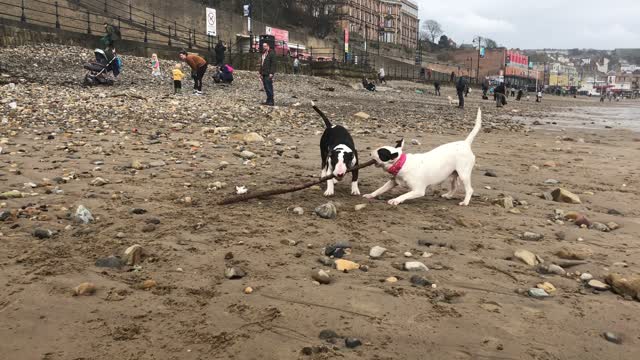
(453, 161)
(338, 154)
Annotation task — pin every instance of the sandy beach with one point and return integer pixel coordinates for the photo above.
(164, 161)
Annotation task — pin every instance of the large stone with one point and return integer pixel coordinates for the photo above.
(420, 281)
(566, 196)
(327, 211)
(253, 137)
(526, 257)
(376, 252)
(13, 194)
(600, 227)
(83, 215)
(612, 337)
(573, 254)
(246, 154)
(624, 286)
(42, 233)
(538, 293)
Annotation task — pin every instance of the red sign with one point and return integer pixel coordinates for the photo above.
(517, 59)
(278, 34)
(346, 40)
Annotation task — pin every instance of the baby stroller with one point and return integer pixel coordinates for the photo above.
(98, 71)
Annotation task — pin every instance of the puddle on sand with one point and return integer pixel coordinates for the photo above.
(617, 116)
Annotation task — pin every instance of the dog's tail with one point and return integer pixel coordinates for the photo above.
(324, 117)
(476, 128)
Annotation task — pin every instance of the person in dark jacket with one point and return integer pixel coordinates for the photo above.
(485, 88)
(500, 93)
(112, 34)
(461, 87)
(267, 70)
(220, 49)
(436, 87)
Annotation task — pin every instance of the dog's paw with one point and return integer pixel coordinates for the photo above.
(356, 192)
(328, 192)
(447, 196)
(368, 196)
(463, 203)
(394, 202)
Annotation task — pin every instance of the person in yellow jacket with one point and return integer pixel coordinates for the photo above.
(178, 75)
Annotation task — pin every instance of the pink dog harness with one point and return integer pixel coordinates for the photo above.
(397, 166)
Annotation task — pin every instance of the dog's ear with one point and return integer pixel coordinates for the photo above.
(400, 144)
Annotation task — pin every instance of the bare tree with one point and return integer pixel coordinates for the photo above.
(490, 43)
(433, 29)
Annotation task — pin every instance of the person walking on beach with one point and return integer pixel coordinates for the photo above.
(500, 93)
(296, 66)
(220, 49)
(267, 70)
(381, 76)
(461, 87)
(198, 67)
(436, 86)
(112, 34)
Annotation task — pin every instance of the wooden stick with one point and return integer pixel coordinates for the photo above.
(245, 197)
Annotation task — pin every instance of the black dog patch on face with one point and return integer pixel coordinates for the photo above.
(386, 155)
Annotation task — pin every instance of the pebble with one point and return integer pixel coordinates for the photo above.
(408, 254)
(598, 285)
(377, 252)
(551, 182)
(612, 337)
(352, 343)
(490, 173)
(613, 225)
(537, 293)
(360, 207)
(526, 257)
(298, 210)
(84, 289)
(99, 181)
(157, 163)
(325, 261)
(391, 279)
(566, 196)
(234, 273)
(531, 236)
(586, 277)
(327, 334)
(420, 281)
(327, 211)
(600, 227)
(112, 262)
(83, 215)
(345, 265)
(362, 115)
(133, 255)
(248, 290)
(148, 284)
(321, 276)
(546, 286)
(138, 211)
(415, 266)
(5, 215)
(246, 154)
(42, 233)
(415, 142)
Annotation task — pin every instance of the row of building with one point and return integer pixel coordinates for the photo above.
(389, 21)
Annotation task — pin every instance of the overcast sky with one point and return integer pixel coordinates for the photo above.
(528, 24)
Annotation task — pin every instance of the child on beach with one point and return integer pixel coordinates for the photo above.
(155, 66)
(178, 75)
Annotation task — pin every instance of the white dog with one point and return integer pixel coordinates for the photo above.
(453, 161)
(453, 102)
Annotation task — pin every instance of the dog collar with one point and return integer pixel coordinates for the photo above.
(397, 166)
